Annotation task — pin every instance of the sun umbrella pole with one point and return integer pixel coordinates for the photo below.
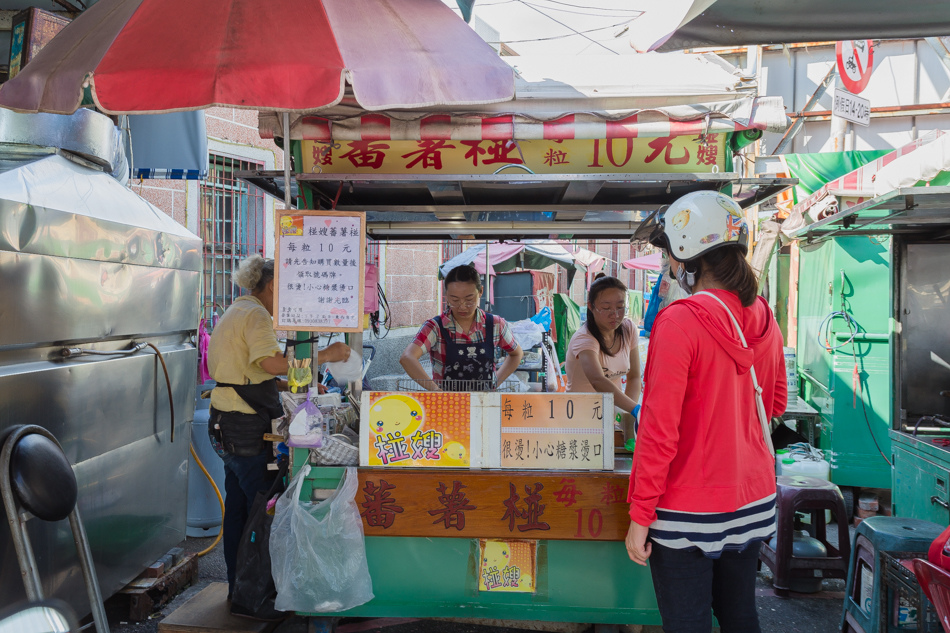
(487, 274)
(286, 127)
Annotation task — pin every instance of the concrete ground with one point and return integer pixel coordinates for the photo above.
(813, 613)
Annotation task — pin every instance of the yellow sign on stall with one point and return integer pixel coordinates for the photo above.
(509, 566)
(419, 429)
(669, 154)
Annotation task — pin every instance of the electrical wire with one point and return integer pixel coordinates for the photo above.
(374, 318)
(168, 383)
(592, 15)
(638, 12)
(567, 27)
(853, 332)
(558, 37)
(825, 325)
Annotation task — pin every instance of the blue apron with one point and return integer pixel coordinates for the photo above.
(469, 361)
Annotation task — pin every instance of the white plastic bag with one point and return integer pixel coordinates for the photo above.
(318, 557)
(527, 333)
(349, 370)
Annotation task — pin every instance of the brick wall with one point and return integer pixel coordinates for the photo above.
(412, 284)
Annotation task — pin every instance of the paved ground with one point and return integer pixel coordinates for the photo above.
(814, 613)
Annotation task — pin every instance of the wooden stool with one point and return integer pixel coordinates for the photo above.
(812, 496)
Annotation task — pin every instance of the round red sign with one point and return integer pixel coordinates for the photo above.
(855, 62)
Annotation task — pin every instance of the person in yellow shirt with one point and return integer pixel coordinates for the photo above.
(244, 360)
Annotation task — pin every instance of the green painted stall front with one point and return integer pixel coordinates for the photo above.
(577, 581)
(850, 274)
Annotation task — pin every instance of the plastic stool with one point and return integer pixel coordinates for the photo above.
(812, 496)
(865, 574)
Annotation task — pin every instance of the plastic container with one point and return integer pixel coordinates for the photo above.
(204, 511)
(780, 454)
(806, 467)
(791, 374)
(804, 546)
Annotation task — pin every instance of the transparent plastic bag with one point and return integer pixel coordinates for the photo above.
(299, 378)
(318, 556)
(307, 428)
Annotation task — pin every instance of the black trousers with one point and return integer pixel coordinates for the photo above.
(690, 588)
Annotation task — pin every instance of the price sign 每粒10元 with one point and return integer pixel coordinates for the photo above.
(319, 271)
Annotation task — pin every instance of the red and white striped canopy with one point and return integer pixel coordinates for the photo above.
(768, 114)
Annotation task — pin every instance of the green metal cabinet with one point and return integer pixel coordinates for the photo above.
(577, 581)
(853, 274)
(921, 479)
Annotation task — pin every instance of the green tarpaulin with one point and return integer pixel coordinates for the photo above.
(816, 170)
(567, 322)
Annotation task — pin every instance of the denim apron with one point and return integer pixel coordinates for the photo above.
(469, 361)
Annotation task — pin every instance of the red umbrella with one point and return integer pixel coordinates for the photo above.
(147, 56)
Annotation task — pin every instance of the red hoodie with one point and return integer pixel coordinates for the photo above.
(699, 446)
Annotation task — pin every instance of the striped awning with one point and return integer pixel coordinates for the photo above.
(765, 113)
(861, 181)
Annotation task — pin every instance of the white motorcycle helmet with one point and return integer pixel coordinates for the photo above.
(696, 224)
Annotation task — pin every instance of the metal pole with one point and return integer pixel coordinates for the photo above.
(286, 130)
(487, 276)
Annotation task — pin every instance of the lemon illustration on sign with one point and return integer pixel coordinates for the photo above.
(454, 454)
(397, 412)
(496, 555)
(681, 219)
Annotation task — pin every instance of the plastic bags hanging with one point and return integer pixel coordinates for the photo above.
(307, 428)
(349, 370)
(318, 555)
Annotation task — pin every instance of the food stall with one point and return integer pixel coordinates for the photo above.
(496, 505)
(882, 231)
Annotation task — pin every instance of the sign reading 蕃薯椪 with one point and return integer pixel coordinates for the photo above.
(319, 271)
(494, 504)
(852, 108)
(669, 154)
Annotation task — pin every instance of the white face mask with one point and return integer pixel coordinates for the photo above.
(669, 291)
(686, 280)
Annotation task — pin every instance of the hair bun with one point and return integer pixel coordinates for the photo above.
(248, 274)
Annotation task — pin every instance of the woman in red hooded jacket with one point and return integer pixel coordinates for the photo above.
(702, 487)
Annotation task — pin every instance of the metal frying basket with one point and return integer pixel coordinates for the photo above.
(408, 384)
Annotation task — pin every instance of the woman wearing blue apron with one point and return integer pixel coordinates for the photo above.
(461, 341)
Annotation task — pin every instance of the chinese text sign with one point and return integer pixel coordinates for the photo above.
(555, 431)
(319, 271)
(417, 429)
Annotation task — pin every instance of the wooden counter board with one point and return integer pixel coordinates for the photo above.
(494, 504)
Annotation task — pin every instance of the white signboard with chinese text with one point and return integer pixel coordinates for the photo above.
(319, 270)
(852, 108)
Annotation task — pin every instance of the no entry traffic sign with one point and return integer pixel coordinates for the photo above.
(855, 62)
